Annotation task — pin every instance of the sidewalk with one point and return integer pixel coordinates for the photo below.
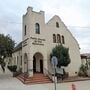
(7, 82)
(73, 79)
(6, 74)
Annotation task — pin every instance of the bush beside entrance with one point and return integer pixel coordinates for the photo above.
(12, 68)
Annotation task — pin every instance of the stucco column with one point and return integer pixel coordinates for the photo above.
(45, 66)
(23, 63)
(30, 66)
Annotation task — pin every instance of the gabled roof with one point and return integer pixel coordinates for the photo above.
(55, 16)
(85, 55)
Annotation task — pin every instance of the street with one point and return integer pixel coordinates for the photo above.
(7, 82)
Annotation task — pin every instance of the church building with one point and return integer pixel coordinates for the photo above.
(32, 55)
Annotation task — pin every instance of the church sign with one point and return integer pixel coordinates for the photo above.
(24, 43)
(37, 41)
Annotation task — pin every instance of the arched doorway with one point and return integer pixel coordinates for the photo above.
(25, 63)
(38, 63)
(41, 66)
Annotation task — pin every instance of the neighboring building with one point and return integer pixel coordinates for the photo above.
(85, 58)
(39, 38)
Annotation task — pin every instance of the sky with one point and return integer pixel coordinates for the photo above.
(74, 13)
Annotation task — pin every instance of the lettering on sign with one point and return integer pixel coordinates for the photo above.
(24, 43)
(37, 41)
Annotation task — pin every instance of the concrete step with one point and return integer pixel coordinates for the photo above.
(36, 79)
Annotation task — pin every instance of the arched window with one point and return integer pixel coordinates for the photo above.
(21, 60)
(37, 28)
(17, 60)
(54, 38)
(57, 24)
(58, 38)
(25, 28)
(25, 62)
(63, 41)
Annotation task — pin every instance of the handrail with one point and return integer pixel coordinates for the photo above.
(48, 74)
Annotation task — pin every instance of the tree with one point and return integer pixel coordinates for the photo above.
(6, 45)
(62, 54)
(6, 48)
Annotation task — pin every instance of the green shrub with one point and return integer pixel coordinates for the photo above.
(12, 68)
(82, 70)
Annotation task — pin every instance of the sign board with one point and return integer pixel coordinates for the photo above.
(54, 60)
(37, 41)
(59, 71)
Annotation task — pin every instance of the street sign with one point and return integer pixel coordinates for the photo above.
(54, 60)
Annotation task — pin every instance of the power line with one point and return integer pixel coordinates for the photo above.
(79, 26)
(10, 22)
(66, 25)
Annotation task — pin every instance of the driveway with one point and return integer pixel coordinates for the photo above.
(7, 82)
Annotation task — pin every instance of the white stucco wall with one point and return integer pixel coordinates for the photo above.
(16, 61)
